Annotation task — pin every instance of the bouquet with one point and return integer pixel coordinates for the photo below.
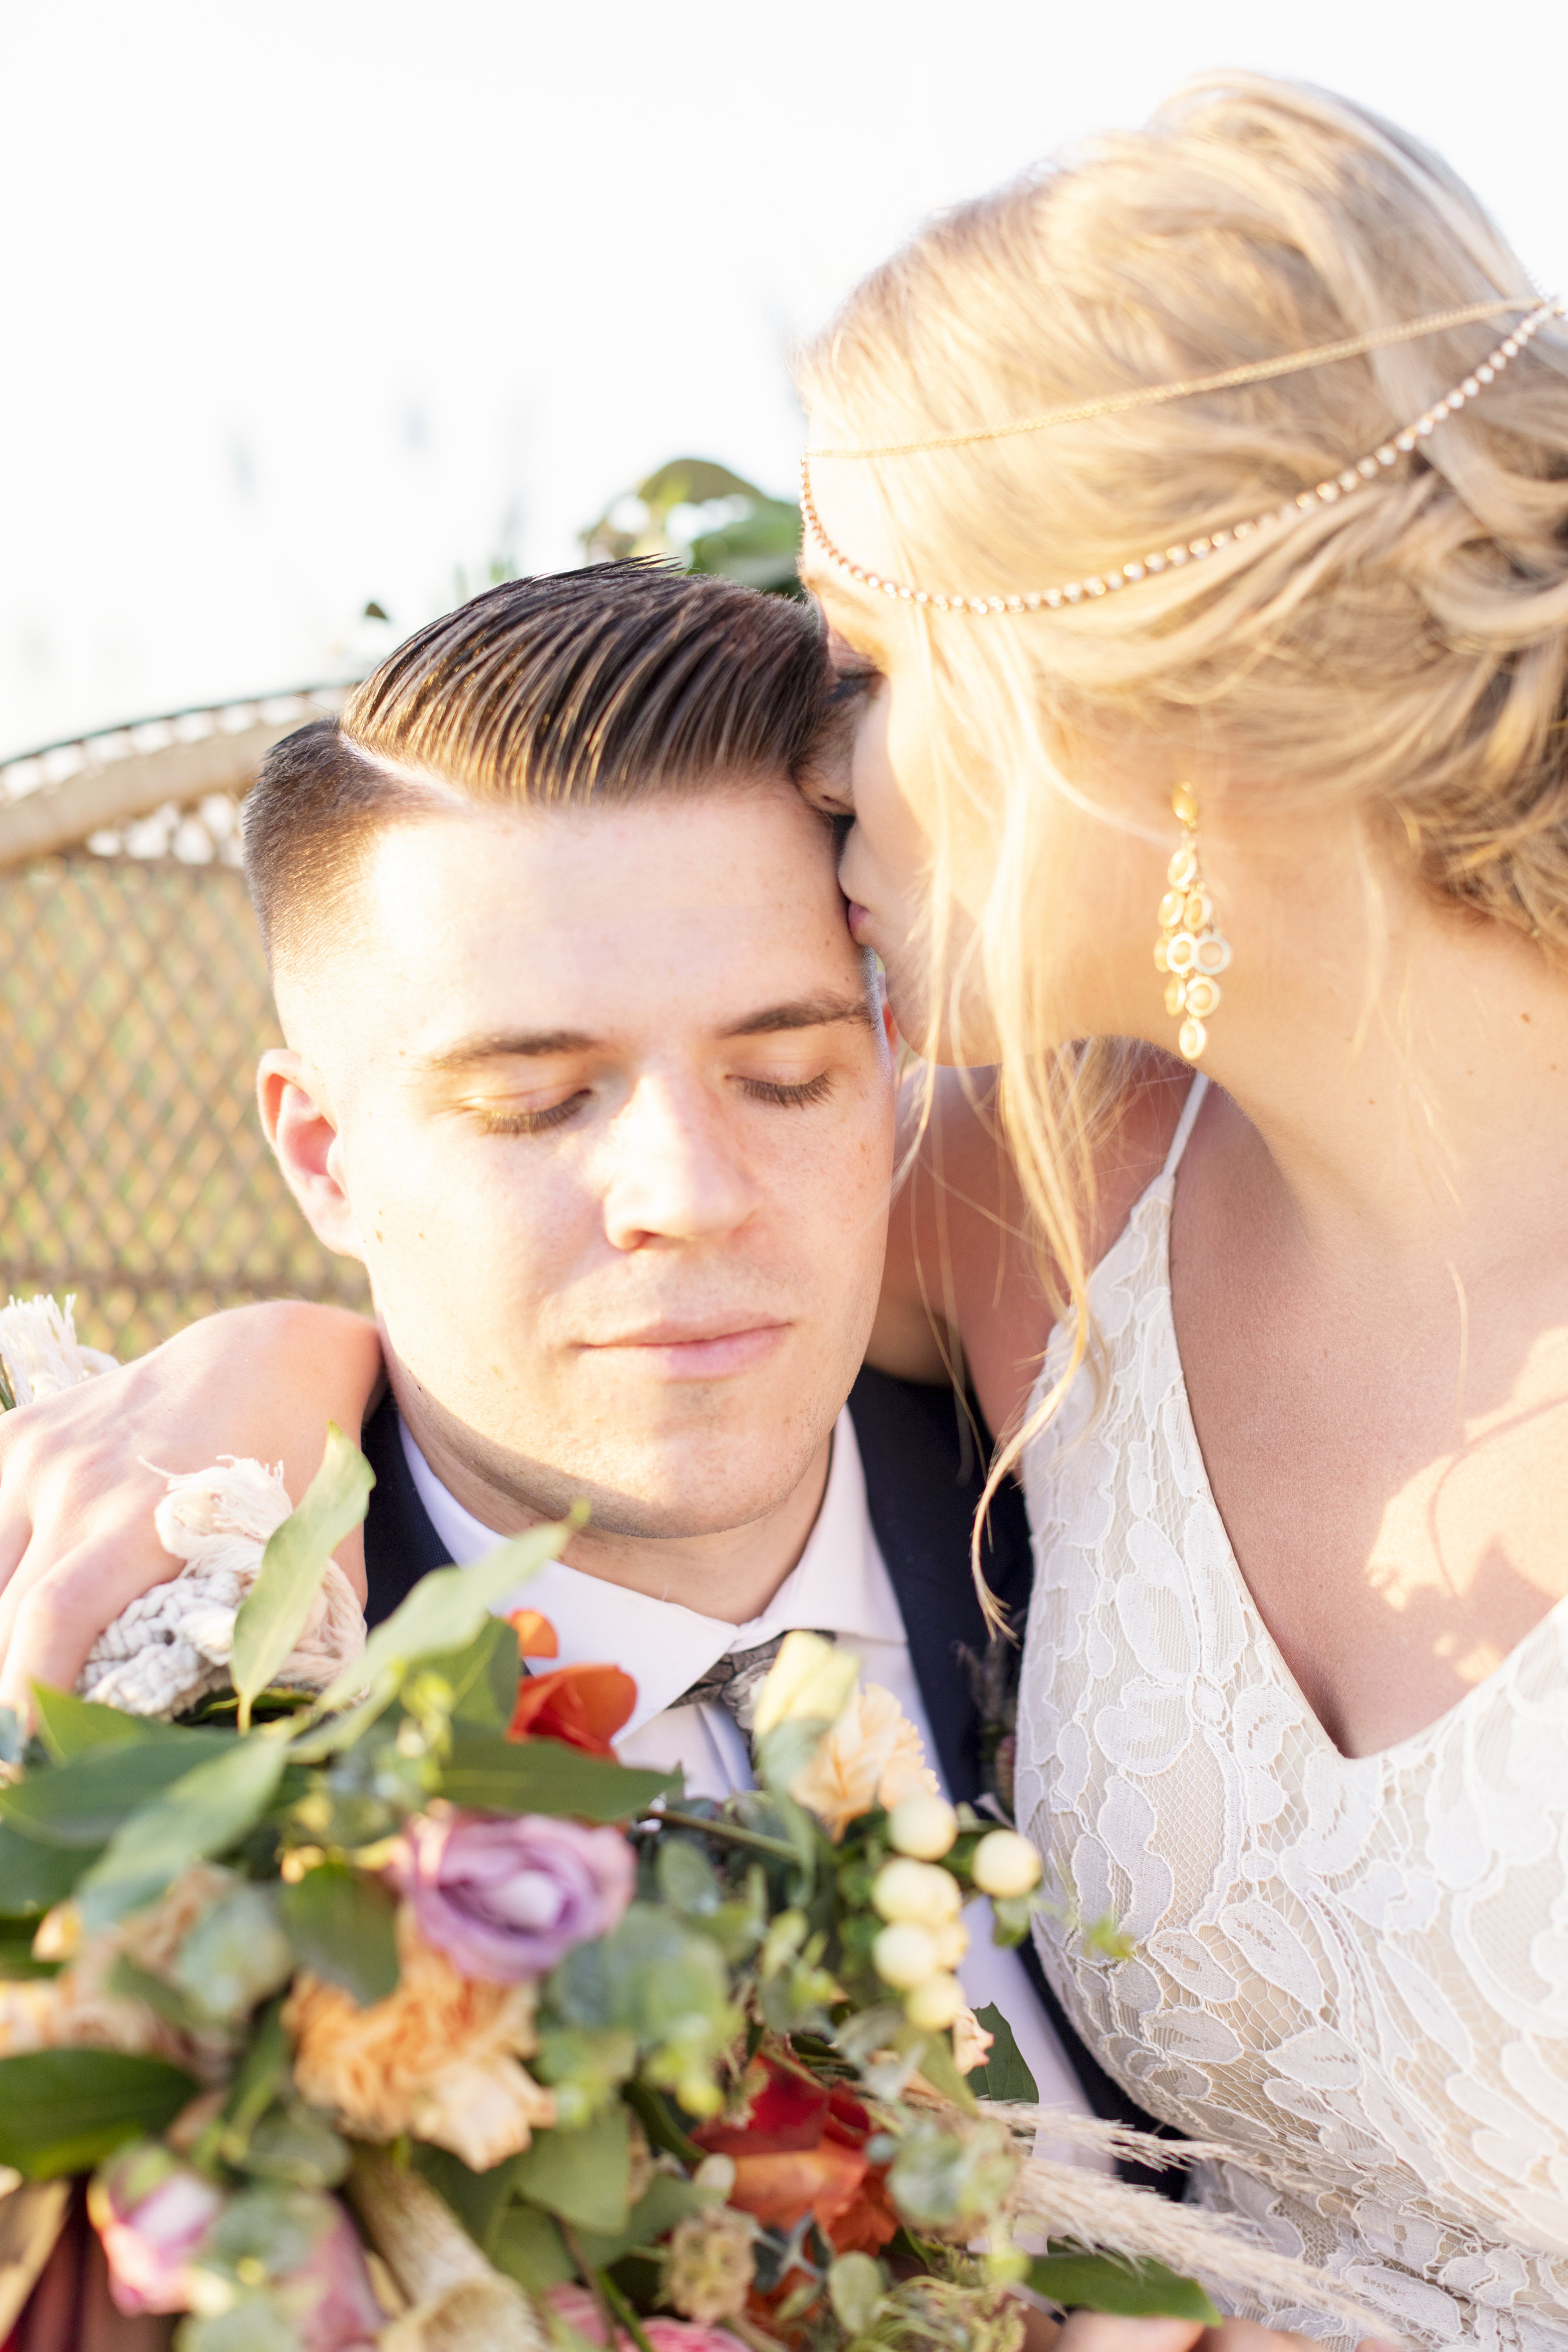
(386, 2006)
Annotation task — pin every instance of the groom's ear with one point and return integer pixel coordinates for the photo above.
(298, 1121)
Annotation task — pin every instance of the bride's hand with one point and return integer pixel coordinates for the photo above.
(1098, 2331)
(77, 1497)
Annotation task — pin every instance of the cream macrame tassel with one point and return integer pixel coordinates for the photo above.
(170, 1647)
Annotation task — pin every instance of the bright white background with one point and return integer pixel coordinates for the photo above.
(313, 301)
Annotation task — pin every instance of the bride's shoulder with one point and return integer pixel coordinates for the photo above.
(965, 1259)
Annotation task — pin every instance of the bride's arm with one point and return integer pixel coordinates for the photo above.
(77, 1496)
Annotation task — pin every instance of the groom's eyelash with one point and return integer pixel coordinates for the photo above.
(792, 1096)
(809, 1090)
(531, 1122)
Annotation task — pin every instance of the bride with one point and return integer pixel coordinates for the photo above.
(1192, 522)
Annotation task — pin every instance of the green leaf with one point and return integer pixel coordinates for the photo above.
(666, 2202)
(34, 1877)
(272, 1614)
(1004, 2075)
(939, 2067)
(262, 2075)
(483, 1677)
(446, 1610)
(527, 2246)
(84, 1802)
(201, 1815)
(476, 2199)
(580, 2175)
(343, 1925)
(70, 1726)
(65, 2110)
(1129, 2289)
(544, 1776)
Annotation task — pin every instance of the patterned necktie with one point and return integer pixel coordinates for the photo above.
(734, 1680)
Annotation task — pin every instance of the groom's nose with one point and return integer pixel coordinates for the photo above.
(675, 1170)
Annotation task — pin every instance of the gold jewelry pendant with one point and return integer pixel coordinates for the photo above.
(1190, 947)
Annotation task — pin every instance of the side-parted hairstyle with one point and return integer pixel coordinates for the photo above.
(1401, 655)
(613, 684)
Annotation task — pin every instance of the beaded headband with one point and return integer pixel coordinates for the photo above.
(1326, 493)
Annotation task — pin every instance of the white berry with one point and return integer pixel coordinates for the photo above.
(904, 1956)
(1005, 1864)
(925, 1827)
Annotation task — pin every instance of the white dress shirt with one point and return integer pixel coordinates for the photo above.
(840, 1585)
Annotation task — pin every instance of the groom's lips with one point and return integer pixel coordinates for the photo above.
(683, 1351)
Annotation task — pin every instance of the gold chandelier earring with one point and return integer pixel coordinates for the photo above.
(1189, 949)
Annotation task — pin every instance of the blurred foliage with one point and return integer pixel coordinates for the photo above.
(701, 515)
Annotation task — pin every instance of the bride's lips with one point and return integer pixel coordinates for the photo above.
(672, 1351)
(859, 919)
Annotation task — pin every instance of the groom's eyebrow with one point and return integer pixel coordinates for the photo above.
(803, 1013)
(512, 1045)
(769, 1020)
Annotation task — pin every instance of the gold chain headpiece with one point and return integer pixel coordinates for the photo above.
(1326, 493)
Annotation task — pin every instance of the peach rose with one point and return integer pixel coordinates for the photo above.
(871, 1756)
(76, 2009)
(437, 2058)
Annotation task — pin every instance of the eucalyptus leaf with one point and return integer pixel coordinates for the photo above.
(1004, 2074)
(34, 1877)
(446, 1610)
(527, 2245)
(666, 2202)
(65, 2110)
(70, 1726)
(1129, 2289)
(343, 1925)
(273, 1614)
(478, 2199)
(86, 1802)
(495, 1775)
(581, 2175)
(199, 1816)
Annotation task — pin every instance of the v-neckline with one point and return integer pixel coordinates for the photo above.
(1163, 1193)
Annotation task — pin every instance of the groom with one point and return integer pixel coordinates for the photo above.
(584, 1066)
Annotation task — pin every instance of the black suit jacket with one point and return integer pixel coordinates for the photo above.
(923, 1478)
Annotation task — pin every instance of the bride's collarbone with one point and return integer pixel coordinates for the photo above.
(1391, 1469)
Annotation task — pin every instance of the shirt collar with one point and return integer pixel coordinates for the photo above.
(838, 1585)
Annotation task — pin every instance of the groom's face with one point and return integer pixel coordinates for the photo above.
(601, 1099)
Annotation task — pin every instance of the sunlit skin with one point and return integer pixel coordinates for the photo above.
(1370, 1247)
(603, 1104)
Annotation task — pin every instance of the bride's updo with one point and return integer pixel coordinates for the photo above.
(1406, 648)
(1401, 652)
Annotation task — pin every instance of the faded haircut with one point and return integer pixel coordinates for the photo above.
(613, 684)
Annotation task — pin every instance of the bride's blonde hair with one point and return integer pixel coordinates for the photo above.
(1404, 651)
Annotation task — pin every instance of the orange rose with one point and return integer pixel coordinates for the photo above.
(802, 2150)
(536, 1635)
(437, 2058)
(582, 1706)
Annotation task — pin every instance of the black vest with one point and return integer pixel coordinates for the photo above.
(923, 1476)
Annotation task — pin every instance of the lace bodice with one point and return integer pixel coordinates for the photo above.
(1354, 1972)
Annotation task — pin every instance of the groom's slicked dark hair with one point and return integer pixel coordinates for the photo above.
(610, 684)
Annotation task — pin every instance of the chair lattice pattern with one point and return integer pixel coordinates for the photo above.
(133, 1004)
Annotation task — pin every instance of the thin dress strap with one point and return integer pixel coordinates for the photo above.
(1185, 1125)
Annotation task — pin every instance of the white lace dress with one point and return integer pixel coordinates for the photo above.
(1352, 1972)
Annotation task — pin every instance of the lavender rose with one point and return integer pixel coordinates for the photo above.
(505, 1899)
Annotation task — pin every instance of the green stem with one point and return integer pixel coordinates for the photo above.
(625, 2313)
(752, 1838)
